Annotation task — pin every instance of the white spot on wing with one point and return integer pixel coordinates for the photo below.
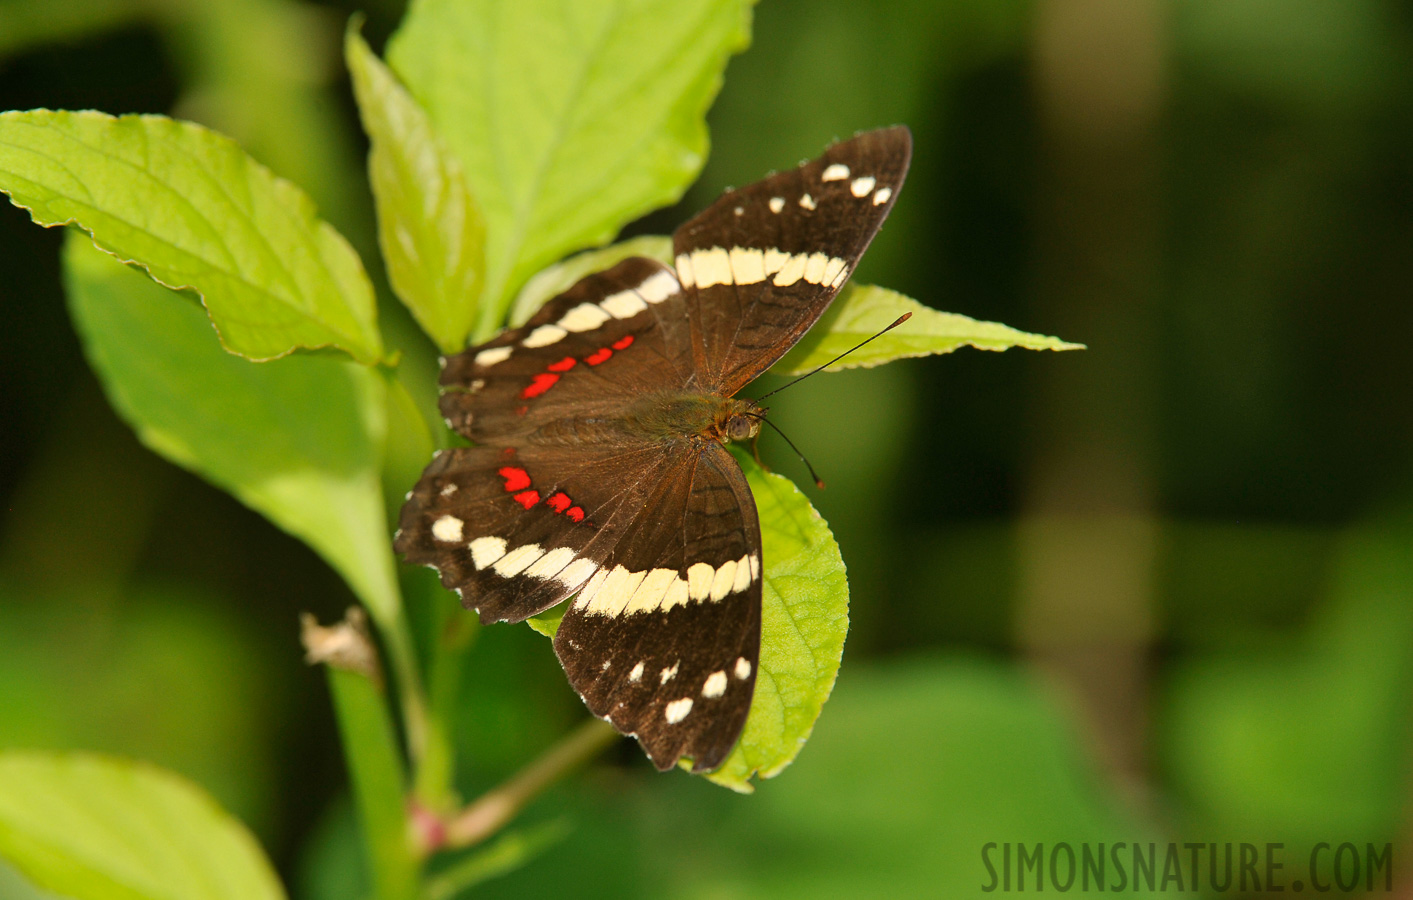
(486, 550)
(743, 668)
(860, 186)
(518, 560)
(606, 664)
(715, 685)
(836, 172)
(544, 336)
(549, 565)
(777, 204)
(577, 572)
(747, 265)
(584, 317)
(881, 196)
(677, 710)
(775, 260)
(624, 304)
(699, 578)
(447, 529)
(725, 578)
(814, 267)
(791, 272)
(448, 490)
(591, 590)
(743, 575)
(833, 271)
(615, 591)
(637, 673)
(711, 267)
(755, 566)
(684, 271)
(650, 592)
(659, 287)
(477, 384)
(808, 202)
(492, 356)
(668, 674)
(676, 593)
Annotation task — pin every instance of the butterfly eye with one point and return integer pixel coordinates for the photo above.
(740, 428)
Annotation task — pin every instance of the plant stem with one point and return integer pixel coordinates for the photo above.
(374, 762)
(490, 812)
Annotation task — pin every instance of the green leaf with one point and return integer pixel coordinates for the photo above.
(93, 827)
(299, 439)
(197, 212)
(547, 622)
(572, 119)
(804, 619)
(561, 276)
(429, 227)
(861, 310)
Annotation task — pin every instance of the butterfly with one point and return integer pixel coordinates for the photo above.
(599, 469)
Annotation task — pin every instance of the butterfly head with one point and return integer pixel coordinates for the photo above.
(742, 423)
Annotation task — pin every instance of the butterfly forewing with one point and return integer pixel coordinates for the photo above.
(586, 352)
(600, 471)
(761, 264)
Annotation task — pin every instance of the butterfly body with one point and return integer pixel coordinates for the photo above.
(600, 470)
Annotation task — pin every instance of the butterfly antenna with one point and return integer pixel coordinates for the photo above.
(818, 482)
(900, 320)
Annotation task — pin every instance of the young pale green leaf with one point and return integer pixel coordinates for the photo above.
(804, 619)
(298, 439)
(95, 828)
(194, 210)
(571, 119)
(547, 622)
(561, 276)
(429, 227)
(861, 310)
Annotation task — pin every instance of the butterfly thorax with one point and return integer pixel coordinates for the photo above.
(672, 416)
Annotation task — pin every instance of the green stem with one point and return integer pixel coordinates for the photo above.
(375, 770)
(493, 810)
(506, 854)
(454, 629)
(389, 616)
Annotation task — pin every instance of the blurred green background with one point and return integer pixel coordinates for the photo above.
(1158, 590)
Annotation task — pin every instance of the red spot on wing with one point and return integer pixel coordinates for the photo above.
(564, 365)
(623, 343)
(521, 410)
(527, 499)
(515, 479)
(539, 384)
(559, 501)
(598, 356)
(575, 513)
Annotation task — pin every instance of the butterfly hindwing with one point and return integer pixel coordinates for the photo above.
(665, 644)
(761, 264)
